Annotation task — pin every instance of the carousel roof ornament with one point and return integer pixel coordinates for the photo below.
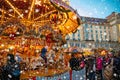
(12, 27)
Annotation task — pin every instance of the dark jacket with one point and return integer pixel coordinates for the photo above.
(43, 51)
(10, 69)
(74, 63)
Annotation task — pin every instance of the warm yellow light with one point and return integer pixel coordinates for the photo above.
(37, 51)
(7, 50)
(67, 27)
(37, 2)
(74, 17)
(103, 53)
(2, 45)
(11, 47)
(25, 0)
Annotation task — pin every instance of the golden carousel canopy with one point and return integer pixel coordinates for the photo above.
(31, 16)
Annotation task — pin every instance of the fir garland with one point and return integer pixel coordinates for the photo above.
(60, 9)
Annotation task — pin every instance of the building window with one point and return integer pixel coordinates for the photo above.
(91, 31)
(86, 31)
(77, 44)
(106, 45)
(100, 45)
(86, 25)
(96, 37)
(96, 45)
(86, 35)
(105, 37)
(79, 37)
(83, 19)
(91, 26)
(101, 37)
(92, 37)
(104, 27)
(73, 36)
(78, 34)
(83, 45)
(96, 32)
(71, 44)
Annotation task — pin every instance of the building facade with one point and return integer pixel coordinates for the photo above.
(95, 33)
(114, 21)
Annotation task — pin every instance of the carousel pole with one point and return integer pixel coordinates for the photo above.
(2, 18)
(31, 9)
(70, 73)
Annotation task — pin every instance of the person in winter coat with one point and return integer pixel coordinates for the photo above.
(74, 62)
(116, 67)
(43, 54)
(90, 68)
(11, 71)
(99, 66)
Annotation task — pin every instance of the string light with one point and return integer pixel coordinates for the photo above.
(2, 45)
(11, 47)
(26, 11)
(10, 10)
(36, 10)
(37, 2)
(74, 17)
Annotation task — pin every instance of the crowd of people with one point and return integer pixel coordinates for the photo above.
(96, 66)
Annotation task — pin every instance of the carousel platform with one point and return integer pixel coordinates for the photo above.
(51, 75)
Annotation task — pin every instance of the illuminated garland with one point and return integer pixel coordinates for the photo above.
(19, 31)
(31, 33)
(12, 23)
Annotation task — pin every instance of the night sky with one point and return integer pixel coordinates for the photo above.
(96, 8)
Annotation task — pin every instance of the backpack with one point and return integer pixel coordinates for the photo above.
(99, 64)
(74, 64)
(82, 64)
(16, 70)
(13, 69)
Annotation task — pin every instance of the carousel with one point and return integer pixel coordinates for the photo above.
(26, 26)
